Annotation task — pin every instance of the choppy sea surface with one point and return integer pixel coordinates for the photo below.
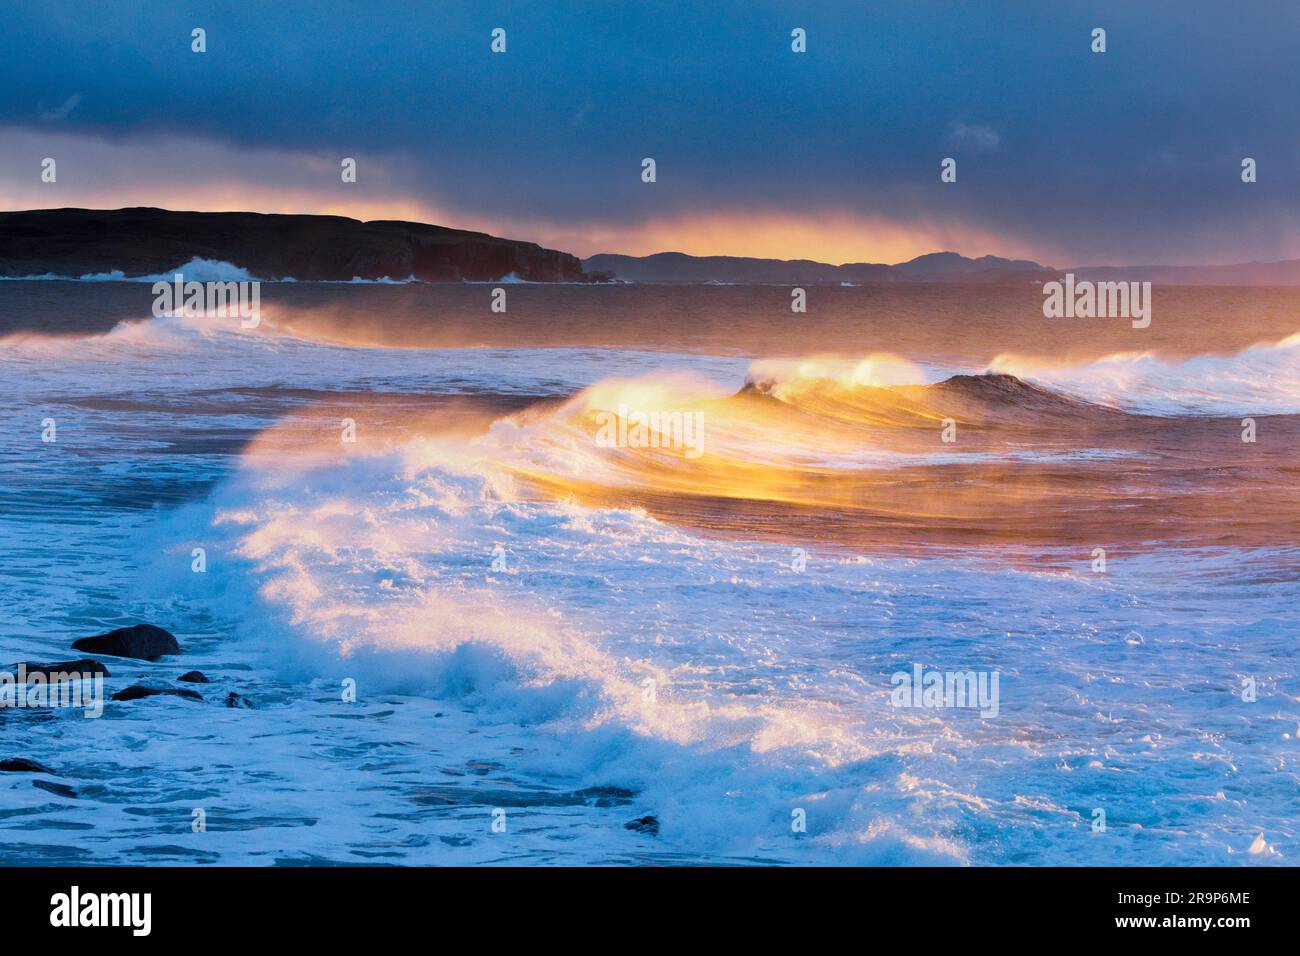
(559, 636)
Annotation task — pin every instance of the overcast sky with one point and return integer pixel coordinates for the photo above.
(1063, 155)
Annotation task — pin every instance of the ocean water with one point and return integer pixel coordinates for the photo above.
(558, 635)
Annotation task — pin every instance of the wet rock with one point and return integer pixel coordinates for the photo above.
(86, 667)
(647, 824)
(458, 793)
(194, 677)
(23, 765)
(137, 691)
(63, 790)
(604, 796)
(143, 641)
(235, 700)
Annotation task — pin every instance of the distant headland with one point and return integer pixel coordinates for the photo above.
(146, 241)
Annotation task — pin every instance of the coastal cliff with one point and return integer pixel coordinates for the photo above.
(145, 241)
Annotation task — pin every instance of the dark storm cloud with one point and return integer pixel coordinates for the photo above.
(1129, 155)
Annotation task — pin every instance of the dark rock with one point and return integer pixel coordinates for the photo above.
(63, 790)
(648, 825)
(235, 700)
(23, 765)
(144, 641)
(146, 241)
(194, 677)
(605, 796)
(137, 691)
(85, 666)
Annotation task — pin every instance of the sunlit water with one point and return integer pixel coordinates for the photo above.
(581, 635)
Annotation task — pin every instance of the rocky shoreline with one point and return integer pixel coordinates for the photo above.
(148, 642)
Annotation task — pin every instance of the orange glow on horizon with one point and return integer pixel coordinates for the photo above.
(831, 237)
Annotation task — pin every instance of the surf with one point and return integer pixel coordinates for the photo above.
(587, 634)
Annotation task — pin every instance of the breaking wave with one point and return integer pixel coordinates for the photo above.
(1261, 380)
(607, 630)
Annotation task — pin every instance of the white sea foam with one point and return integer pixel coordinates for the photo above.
(524, 686)
(381, 569)
(1261, 380)
(199, 269)
(196, 270)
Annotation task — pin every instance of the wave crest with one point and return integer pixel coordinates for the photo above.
(1263, 379)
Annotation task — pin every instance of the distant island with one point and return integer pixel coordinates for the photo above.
(146, 241)
(932, 267)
